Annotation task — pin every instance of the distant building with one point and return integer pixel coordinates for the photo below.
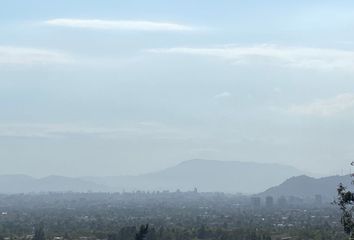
(269, 202)
(282, 202)
(256, 202)
(318, 199)
(295, 201)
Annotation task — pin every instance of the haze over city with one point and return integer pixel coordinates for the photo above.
(108, 88)
(176, 120)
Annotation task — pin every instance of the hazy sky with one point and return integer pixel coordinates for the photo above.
(123, 87)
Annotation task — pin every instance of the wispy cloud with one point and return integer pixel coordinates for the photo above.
(222, 95)
(50, 131)
(326, 107)
(119, 24)
(27, 56)
(298, 57)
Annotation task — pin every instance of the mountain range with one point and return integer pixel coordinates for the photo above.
(205, 175)
(307, 187)
(27, 184)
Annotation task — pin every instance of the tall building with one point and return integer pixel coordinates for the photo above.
(318, 199)
(282, 201)
(256, 202)
(269, 202)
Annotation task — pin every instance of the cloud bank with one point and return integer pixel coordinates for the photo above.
(222, 95)
(118, 25)
(156, 131)
(326, 107)
(27, 56)
(297, 57)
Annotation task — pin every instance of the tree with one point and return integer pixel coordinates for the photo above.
(202, 232)
(345, 201)
(143, 231)
(39, 233)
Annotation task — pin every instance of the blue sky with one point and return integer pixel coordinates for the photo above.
(112, 87)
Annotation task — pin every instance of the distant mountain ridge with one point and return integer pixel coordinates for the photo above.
(26, 184)
(206, 175)
(306, 187)
(222, 176)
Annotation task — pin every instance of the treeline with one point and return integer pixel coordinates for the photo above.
(203, 232)
(162, 233)
(187, 217)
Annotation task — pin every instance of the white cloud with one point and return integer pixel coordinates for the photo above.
(27, 56)
(118, 25)
(48, 130)
(326, 107)
(277, 90)
(298, 57)
(155, 131)
(222, 95)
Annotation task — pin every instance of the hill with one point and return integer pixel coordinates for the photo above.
(207, 176)
(26, 184)
(306, 187)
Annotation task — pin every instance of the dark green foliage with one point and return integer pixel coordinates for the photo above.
(202, 232)
(143, 231)
(127, 233)
(66, 236)
(171, 216)
(345, 201)
(39, 233)
(112, 236)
